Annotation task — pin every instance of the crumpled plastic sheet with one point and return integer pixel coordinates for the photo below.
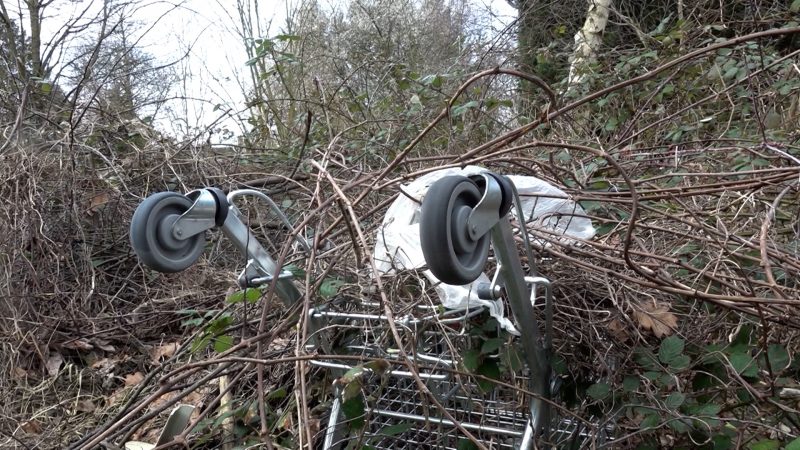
(397, 244)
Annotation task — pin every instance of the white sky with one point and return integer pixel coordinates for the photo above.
(206, 30)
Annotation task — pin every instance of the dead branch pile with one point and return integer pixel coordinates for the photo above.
(693, 240)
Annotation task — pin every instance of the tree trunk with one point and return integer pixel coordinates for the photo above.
(587, 42)
(35, 14)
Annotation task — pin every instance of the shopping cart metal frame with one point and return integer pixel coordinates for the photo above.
(168, 234)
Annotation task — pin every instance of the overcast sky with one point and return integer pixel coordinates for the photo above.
(206, 31)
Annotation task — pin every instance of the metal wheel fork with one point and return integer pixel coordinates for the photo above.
(212, 208)
(520, 290)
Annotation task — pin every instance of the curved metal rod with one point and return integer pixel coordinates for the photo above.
(285, 220)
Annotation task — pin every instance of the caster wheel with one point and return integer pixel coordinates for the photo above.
(151, 234)
(508, 193)
(452, 256)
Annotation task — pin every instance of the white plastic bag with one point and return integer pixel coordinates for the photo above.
(397, 242)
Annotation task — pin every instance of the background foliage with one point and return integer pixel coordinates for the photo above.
(677, 322)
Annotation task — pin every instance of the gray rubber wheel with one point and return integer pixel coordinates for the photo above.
(452, 256)
(151, 234)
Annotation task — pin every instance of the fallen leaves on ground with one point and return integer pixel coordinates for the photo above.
(655, 317)
(53, 364)
(164, 351)
(32, 426)
(134, 379)
(78, 344)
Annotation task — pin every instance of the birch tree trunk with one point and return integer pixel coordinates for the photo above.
(587, 42)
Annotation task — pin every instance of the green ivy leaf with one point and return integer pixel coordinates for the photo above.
(512, 359)
(297, 271)
(675, 400)
(630, 384)
(679, 425)
(395, 429)
(680, 362)
(200, 342)
(466, 444)
(223, 343)
(251, 295)
(599, 391)
(766, 444)
(559, 364)
(353, 409)
(650, 421)
(491, 345)
(778, 357)
(744, 364)
(472, 359)
(671, 348)
(461, 109)
(489, 369)
(330, 287)
(722, 442)
(795, 444)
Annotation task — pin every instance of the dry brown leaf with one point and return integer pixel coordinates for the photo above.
(617, 330)
(78, 344)
(53, 364)
(163, 351)
(32, 426)
(97, 201)
(18, 373)
(101, 364)
(656, 318)
(134, 379)
(85, 406)
(104, 345)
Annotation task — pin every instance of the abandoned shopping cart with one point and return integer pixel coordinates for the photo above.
(440, 403)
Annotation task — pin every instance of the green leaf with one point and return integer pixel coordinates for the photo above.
(287, 37)
(679, 425)
(590, 205)
(722, 442)
(512, 359)
(251, 295)
(395, 429)
(599, 391)
(200, 342)
(352, 374)
(353, 409)
(675, 400)
(795, 444)
(606, 228)
(466, 444)
(489, 369)
(461, 109)
(277, 394)
(680, 362)
(766, 444)
(559, 364)
(795, 6)
(491, 345)
(645, 358)
(671, 348)
(330, 287)
(778, 357)
(611, 124)
(472, 359)
(744, 364)
(297, 271)
(379, 366)
(223, 343)
(650, 421)
(630, 384)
